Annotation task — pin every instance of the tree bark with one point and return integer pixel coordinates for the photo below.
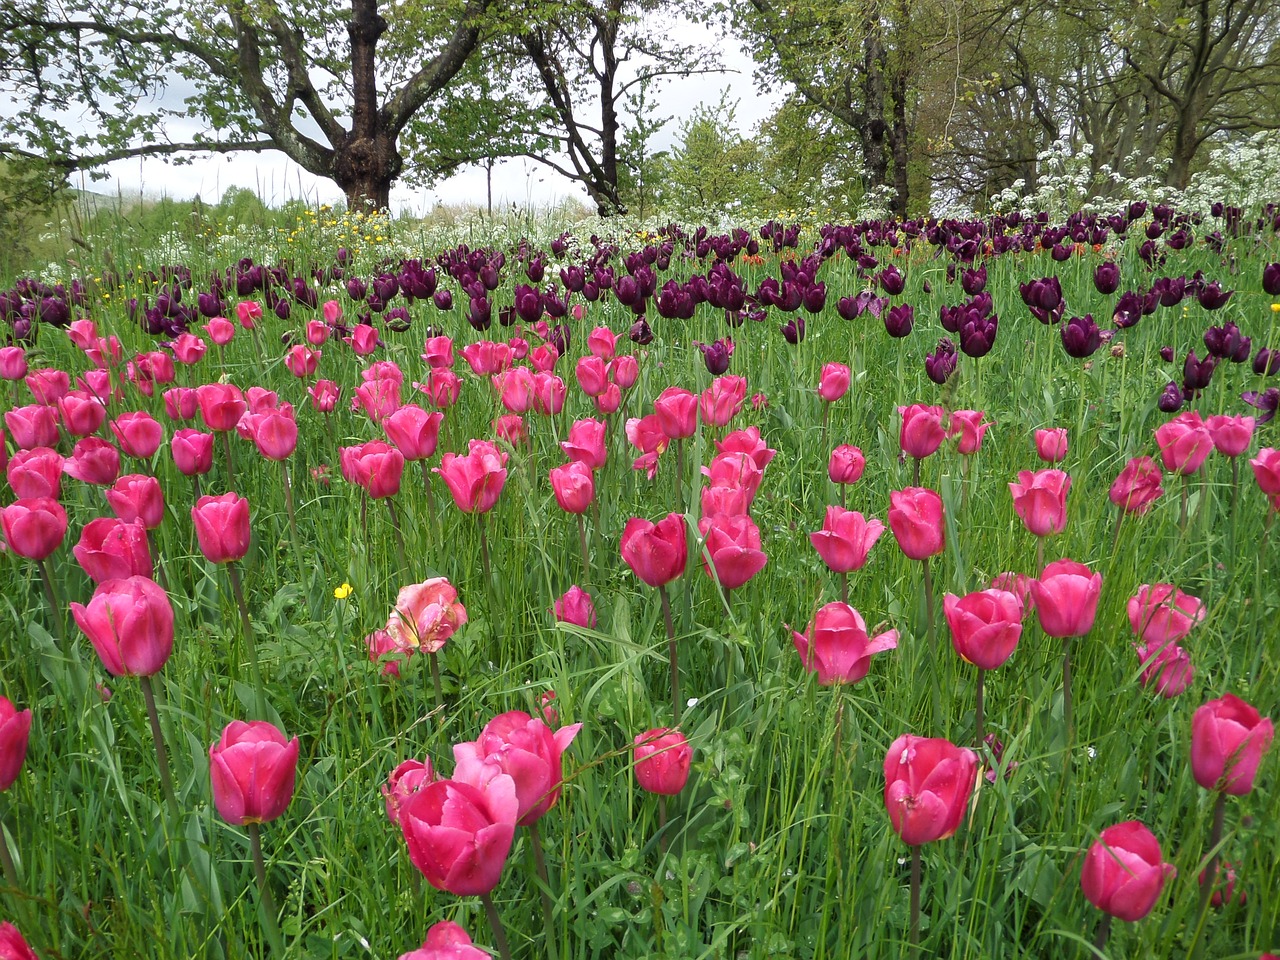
(366, 161)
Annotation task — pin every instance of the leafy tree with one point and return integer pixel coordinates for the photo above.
(712, 168)
(354, 94)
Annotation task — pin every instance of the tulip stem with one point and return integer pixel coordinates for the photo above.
(662, 824)
(680, 475)
(293, 521)
(431, 497)
(395, 525)
(672, 655)
(1066, 691)
(51, 595)
(270, 920)
(484, 551)
(582, 544)
(915, 471)
(1040, 553)
(540, 864)
(1186, 494)
(915, 901)
(928, 605)
(978, 713)
(844, 587)
(434, 658)
(1211, 871)
(226, 447)
(162, 755)
(6, 859)
(1103, 932)
(1115, 535)
(250, 642)
(495, 924)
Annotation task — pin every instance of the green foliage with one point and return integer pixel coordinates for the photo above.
(711, 169)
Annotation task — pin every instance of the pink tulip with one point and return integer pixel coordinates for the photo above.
(459, 835)
(927, 786)
(331, 310)
(324, 396)
(386, 652)
(985, 626)
(1231, 435)
(515, 389)
(833, 382)
(1040, 500)
(602, 342)
(575, 607)
(15, 734)
(254, 770)
(221, 405)
(521, 747)
(446, 941)
(733, 544)
(111, 549)
(970, 428)
(13, 946)
(35, 473)
(1051, 444)
(414, 431)
(1266, 470)
(130, 624)
(476, 479)
(188, 348)
(317, 333)
(609, 401)
(543, 358)
(33, 528)
(721, 402)
(1185, 443)
(442, 388)
(426, 615)
(222, 527)
(663, 758)
(1019, 584)
(846, 464)
(1124, 871)
(1066, 598)
(656, 553)
(574, 486)
(548, 394)
(438, 352)
(586, 443)
(402, 783)
(249, 313)
(181, 403)
(592, 375)
(13, 363)
(1162, 613)
(274, 433)
(48, 385)
(916, 519)
(1228, 739)
(377, 467)
(1137, 486)
(1167, 667)
(510, 427)
(646, 435)
(845, 540)
(137, 498)
(33, 426)
(93, 461)
(487, 357)
(302, 360)
(677, 413)
(736, 471)
(922, 431)
(82, 414)
(192, 452)
(624, 371)
(377, 398)
(836, 646)
(747, 441)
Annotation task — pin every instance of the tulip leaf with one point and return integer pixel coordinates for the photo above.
(1038, 877)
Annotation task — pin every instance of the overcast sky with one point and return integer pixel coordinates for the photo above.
(275, 178)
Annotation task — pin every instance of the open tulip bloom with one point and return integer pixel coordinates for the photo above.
(1124, 872)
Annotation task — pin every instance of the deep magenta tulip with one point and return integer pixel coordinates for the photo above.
(677, 413)
(663, 758)
(273, 432)
(916, 519)
(414, 431)
(922, 431)
(34, 528)
(733, 543)
(402, 783)
(137, 496)
(192, 452)
(525, 749)
(1185, 443)
(576, 607)
(12, 944)
(846, 464)
(927, 786)
(377, 467)
(1228, 739)
(586, 443)
(1051, 444)
(222, 527)
(82, 413)
(459, 835)
(1066, 598)
(15, 733)
(94, 461)
(254, 770)
(574, 486)
(35, 473)
(655, 552)
(985, 626)
(846, 538)
(1040, 500)
(111, 549)
(1163, 614)
(836, 646)
(1124, 871)
(446, 941)
(1137, 486)
(130, 624)
(833, 382)
(138, 434)
(969, 427)
(221, 405)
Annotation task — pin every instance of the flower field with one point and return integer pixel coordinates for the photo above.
(873, 590)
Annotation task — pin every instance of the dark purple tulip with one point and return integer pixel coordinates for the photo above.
(814, 298)
(386, 286)
(793, 330)
(282, 308)
(892, 281)
(1267, 401)
(942, 363)
(974, 281)
(1128, 310)
(927, 287)
(210, 305)
(560, 337)
(899, 320)
(356, 288)
(480, 313)
(443, 299)
(640, 332)
(1169, 290)
(1212, 296)
(978, 334)
(1044, 299)
(1271, 279)
(1106, 277)
(574, 278)
(1227, 343)
(536, 269)
(1197, 373)
(715, 356)
(397, 319)
(1061, 253)
(1081, 336)
(1166, 354)
(1171, 399)
(528, 303)
(1266, 362)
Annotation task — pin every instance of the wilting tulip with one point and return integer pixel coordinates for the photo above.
(384, 651)
(459, 835)
(1138, 486)
(130, 624)
(845, 540)
(253, 770)
(446, 941)
(426, 615)
(927, 786)
(476, 479)
(137, 497)
(1163, 614)
(1228, 740)
(655, 553)
(111, 549)
(576, 607)
(1040, 500)
(1185, 443)
(324, 396)
(222, 527)
(985, 626)
(574, 486)
(15, 733)
(916, 519)
(663, 758)
(1167, 667)
(402, 783)
(1051, 444)
(969, 426)
(1124, 871)
(836, 646)
(524, 748)
(733, 543)
(34, 528)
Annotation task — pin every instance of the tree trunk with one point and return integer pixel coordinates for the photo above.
(366, 162)
(873, 130)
